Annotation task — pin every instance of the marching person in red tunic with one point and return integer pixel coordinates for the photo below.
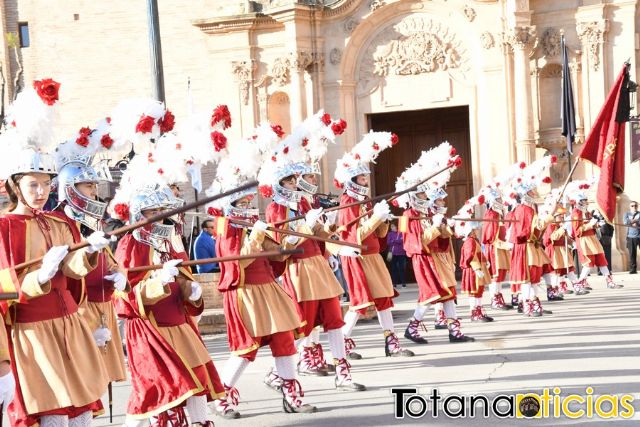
(474, 269)
(307, 277)
(170, 366)
(51, 347)
(258, 312)
(496, 247)
(528, 257)
(427, 239)
(367, 276)
(77, 194)
(590, 251)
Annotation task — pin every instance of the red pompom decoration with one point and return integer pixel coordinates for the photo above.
(481, 199)
(305, 142)
(338, 127)
(326, 119)
(167, 122)
(285, 150)
(394, 202)
(219, 140)
(547, 180)
(337, 184)
(47, 90)
(277, 129)
(145, 124)
(554, 159)
(83, 139)
(522, 165)
(214, 211)
(376, 147)
(108, 120)
(357, 156)
(221, 114)
(160, 171)
(266, 191)
(394, 139)
(106, 141)
(452, 152)
(122, 210)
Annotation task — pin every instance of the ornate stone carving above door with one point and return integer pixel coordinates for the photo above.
(412, 46)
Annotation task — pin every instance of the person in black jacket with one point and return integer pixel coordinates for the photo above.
(605, 234)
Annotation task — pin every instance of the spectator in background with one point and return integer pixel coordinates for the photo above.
(632, 221)
(605, 234)
(398, 257)
(205, 247)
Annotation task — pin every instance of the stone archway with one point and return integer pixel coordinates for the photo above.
(278, 110)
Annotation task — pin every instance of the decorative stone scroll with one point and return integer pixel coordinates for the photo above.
(591, 35)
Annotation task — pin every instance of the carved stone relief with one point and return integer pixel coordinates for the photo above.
(551, 42)
(299, 61)
(469, 12)
(243, 70)
(486, 40)
(375, 4)
(591, 35)
(523, 38)
(412, 46)
(350, 25)
(280, 71)
(335, 56)
(551, 71)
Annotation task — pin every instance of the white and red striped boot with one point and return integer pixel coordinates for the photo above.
(308, 364)
(497, 302)
(611, 284)
(343, 380)
(349, 345)
(392, 346)
(579, 287)
(318, 354)
(527, 308)
(291, 402)
(564, 288)
(227, 406)
(412, 333)
(273, 380)
(455, 334)
(441, 320)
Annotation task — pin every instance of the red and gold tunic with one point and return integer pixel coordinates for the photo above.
(528, 256)
(255, 306)
(367, 276)
(471, 260)
(555, 244)
(167, 358)
(590, 250)
(496, 248)
(307, 276)
(419, 239)
(52, 349)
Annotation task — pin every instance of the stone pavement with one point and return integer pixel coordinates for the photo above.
(591, 340)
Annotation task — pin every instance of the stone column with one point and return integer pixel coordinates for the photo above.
(298, 61)
(592, 37)
(243, 72)
(522, 40)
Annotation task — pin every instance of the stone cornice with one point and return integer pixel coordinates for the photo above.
(249, 21)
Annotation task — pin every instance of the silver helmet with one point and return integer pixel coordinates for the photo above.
(351, 187)
(308, 169)
(231, 210)
(421, 205)
(156, 197)
(434, 194)
(69, 176)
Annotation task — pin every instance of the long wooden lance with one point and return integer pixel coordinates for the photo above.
(304, 235)
(264, 254)
(391, 195)
(155, 218)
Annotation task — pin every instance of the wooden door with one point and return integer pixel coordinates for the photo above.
(418, 131)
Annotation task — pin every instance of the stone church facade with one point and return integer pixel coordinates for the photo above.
(484, 74)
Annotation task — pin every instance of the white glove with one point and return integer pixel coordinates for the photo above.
(334, 263)
(348, 251)
(7, 389)
(479, 274)
(292, 240)
(592, 222)
(97, 241)
(567, 226)
(381, 210)
(51, 262)
(509, 245)
(260, 226)
(311, 218)
(102, 336)
(437, 219)
(119, 280)
(331, 217)
(169, 271)
(451, 222)
(196, 291)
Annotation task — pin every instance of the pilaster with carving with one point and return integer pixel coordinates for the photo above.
(243, 73)
(592, 35)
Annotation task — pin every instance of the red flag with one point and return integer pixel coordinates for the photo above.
(604, 146)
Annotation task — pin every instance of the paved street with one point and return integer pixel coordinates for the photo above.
(592, 340)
